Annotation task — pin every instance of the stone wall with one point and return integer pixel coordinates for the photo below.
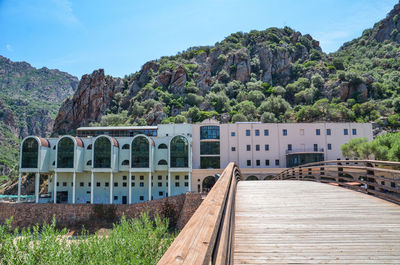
(72, 215)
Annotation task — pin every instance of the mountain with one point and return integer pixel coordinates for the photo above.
(29, 101)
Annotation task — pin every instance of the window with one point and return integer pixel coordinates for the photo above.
(115, 184)
(186, 177)
(58, 184)
(209, 162)
(159, 184)
(107, 184)
(125, 163)
(267, 162)
(162, 146)
(141, 178)
(176, 177)
(141, 184)
(89, 163)
(54, 163)
(30, 153)
(257, 162)
(315, 147)
(89, 184)
(133, 184)
(124, 184)
(209, 132)
(328, 131)
(346, 132)
(248, 147)
(247, 132)
(159, 177)
(179, 151)
(163, 162)
(248, 163)
(186, 184)
(318, 132)
(257, 147)
(141, 198)
(65, 153)
(233, 133)
(354, 131)
(176, 184)
(140, 152)
(89, 147)
(289, 147)
(102, 152)
(98, 184)
(160, 193)
(133, 177)
(125, 146)
(209, 148)
(266, 132)
(81, 184)
(257, 132)
(124, 177)
(276, 162)
(284, 132)
(266, 147)
(115, 198)
(233, 149)
(64, 184)
(329, 146)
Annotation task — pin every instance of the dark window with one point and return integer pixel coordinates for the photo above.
(329, 146)
(257, 162)
(354, 131)
(115, 184)
(209, 132)
(54, 163)
(209, 148)
(98, 184)
(247, 132)
(257, 132)
(257, 147)
(141, 198)
(141, 177)
(177, 177)
(65, 153)
(125, 146)
(58, 184)
(64, 184)
(266, 132)
(248, 147)
(315, 147)
(186, 184)
(30, 153)
(162, 162)
(102, 152)
(89, 184)
(89, 147)
(89, 163)
(162, 146)
(160, 193)
(179, 152)
(159, 177)
(81, 184)
(317, 131)
(124, 184)
(133, 184)
(233, 133)
(186, 177)
(248, 163)
(233, 149)
(266, 147)
(346, 132)
(284, 132)
(267, 162)
(277, 162)
(107, 184)
(124, 177)
(159, 184)
(140, 152)
(328, 131)
(115, 198)
(209, 162)
(176, 184)
(125, 163)
(289, 147)
(141, 184)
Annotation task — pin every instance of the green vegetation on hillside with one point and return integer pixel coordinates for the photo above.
(136, 241)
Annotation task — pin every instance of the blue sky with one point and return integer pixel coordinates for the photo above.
(120, 36)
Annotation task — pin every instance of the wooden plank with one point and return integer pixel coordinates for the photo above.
(303, 222)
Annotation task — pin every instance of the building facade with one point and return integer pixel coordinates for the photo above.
(132, 164)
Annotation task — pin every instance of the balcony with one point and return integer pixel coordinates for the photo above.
(305, 150)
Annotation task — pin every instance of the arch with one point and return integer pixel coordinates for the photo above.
(125, 146)
(162, 146)
(179, 151)
(102, 152)
(65, 152)
(89, 147)
(89, 163)
(162, 162)
(125, 163)
(251, 178)
(269, 177)
(208, 183)
(30, 153)
(140, 152)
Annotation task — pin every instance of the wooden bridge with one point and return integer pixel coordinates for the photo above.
(331, 212)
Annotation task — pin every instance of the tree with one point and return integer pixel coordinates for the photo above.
(351, 149)
(180, 119)
(247, 108)
(256, 96)
(396, 104)
(238, 118)
(274, 104)
(268, 117)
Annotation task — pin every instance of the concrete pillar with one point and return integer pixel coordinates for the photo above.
(55, 188)
(169, 184)
(130, 188)
(19, 186)
(73, 187)
(190, 181)
(150, 181)
(92, 188)
(111, 187)
(37, 182)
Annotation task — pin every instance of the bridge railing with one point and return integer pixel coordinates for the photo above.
(208, 236)
(379, 178)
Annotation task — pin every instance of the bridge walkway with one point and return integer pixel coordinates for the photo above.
(304, 222)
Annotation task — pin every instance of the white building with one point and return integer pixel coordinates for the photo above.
(133, 164)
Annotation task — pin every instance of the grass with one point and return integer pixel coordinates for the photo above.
(134, 241)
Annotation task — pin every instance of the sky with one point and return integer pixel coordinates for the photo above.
(120, 36)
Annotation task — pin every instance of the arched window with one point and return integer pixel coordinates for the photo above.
(179, 152)
(125, 163)
(102, 153)
(252, 178)
(89, 147)
(89, 163)
(162, 162)
(30, 152)
(140, 152)
(125, 146)
(162, 146)
(65, 153)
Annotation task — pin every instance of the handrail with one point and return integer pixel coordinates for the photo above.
(368, 176)
(208, 236)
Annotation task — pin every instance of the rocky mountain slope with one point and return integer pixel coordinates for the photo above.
(29, 101)
(274, 75)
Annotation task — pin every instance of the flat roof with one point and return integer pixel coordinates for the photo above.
(117, 128)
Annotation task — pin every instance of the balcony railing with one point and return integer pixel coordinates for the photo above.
(305, 150)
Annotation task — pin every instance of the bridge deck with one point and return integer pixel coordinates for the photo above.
(298, 222)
